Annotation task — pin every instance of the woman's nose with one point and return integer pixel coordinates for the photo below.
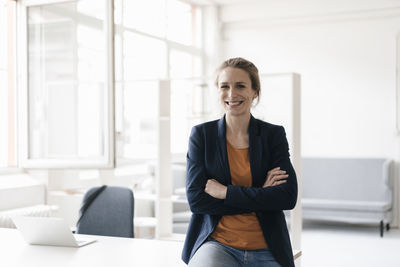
(231, 92)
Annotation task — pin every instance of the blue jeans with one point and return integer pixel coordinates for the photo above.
(214, 254)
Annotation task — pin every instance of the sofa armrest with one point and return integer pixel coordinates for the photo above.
(388, 173)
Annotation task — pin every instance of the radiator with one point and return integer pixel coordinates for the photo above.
(36, 211)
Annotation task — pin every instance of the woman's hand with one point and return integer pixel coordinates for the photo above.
(275, 177)
(215, 189)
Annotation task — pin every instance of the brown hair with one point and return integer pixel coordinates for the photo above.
(245, 65)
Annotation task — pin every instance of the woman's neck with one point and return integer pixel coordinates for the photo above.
(237, 125)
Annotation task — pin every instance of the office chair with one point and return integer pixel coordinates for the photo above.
(108, 211)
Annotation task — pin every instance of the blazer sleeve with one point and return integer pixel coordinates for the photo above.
(280, 197)
(196, 179)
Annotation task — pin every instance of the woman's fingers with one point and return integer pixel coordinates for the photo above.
(279, 177)
(273, 170)
(275, 176)
(280, 182)
(276, 172)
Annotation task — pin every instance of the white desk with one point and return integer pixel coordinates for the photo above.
(107, 251)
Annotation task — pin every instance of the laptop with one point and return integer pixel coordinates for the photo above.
(48, 231)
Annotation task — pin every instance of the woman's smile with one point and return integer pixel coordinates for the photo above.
(234, 103)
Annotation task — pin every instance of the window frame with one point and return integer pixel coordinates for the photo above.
(10, 70)
(108, 161)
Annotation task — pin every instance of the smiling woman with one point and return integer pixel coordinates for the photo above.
(239, 181)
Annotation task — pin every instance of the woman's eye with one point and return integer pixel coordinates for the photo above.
(224, 87)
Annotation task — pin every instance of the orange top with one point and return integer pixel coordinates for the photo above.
(240, 231)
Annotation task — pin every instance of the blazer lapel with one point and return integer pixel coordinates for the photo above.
(221, 148)
(255, 152)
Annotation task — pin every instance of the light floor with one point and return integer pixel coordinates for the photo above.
(341, 245)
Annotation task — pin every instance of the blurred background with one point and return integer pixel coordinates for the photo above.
(106, 92)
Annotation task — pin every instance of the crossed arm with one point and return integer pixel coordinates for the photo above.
(274, 177)
(208, 196)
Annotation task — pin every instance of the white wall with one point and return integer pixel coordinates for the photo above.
(346, 54)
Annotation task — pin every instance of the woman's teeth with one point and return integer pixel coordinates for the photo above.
(233, 103)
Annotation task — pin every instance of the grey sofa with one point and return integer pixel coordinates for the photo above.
(353, 190)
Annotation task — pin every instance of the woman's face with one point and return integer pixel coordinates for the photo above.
(236, 93)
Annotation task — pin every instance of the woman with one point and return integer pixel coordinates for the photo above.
(239, 179)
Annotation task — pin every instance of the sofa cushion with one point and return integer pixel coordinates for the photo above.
(330, 204)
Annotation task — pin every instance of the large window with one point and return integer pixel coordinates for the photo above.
(75, 74)
(157, 39)
(68, 89)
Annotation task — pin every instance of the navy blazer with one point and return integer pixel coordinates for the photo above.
(207, 158)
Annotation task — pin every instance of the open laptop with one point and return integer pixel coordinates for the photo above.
(48, 231)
